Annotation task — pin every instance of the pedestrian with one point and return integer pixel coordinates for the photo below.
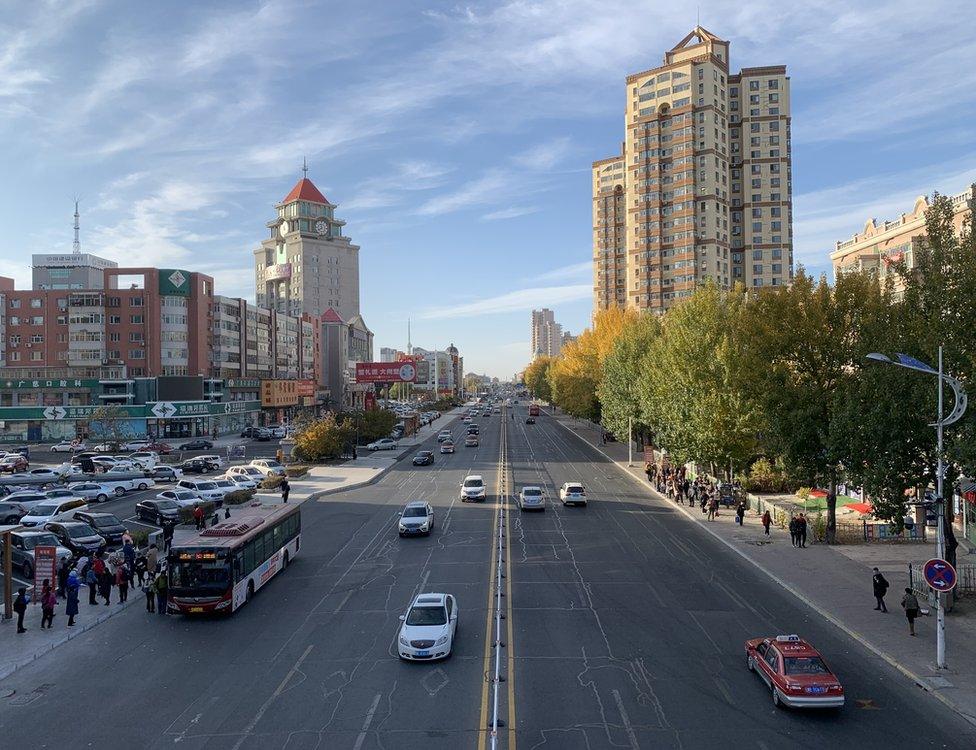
(49, 600)
(198, 516)
(161, 586)
(740, 512)
(908, 602)
(127, 538)
(122, 581)
(149, 589)
(91, 578)
(802, 530)
(152, 560)
(140, 569)
(649, 470)
(63, 571)
(712, 509)
(767, 521)
(71, 608)
(81, 565)
(129, 555)
(794, 530)
(880, 586)
(98, 565)
(285, 489)
(20, 607)
(168, 535)
(105, 586)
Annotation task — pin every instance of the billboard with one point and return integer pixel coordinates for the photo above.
(179, 388)
(386, 372)
(279, 271)
(305, 387)
(174, 282)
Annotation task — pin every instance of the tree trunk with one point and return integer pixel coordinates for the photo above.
(831, 531)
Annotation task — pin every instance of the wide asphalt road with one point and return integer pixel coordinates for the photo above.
(630, 623)
(311, 661)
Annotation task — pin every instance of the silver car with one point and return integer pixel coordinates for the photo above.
(531, 498)
(22, 545)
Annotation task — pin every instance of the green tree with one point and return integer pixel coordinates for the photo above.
(322, 439)
(537, 378)
(369, 425)
(623, 372)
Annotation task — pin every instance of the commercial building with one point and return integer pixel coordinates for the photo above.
(440, 373)
(880, 245)
(71, 271)
(547, 334)
(343, 344)
(703, 180)
(388, 354)
(307, 265)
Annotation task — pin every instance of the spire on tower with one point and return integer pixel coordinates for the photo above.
(409, 345)
(76, 245)
(304, 166)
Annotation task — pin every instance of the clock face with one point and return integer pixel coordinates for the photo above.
(321, 226)
(283, 229)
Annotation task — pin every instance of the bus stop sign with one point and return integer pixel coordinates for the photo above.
(940, 575)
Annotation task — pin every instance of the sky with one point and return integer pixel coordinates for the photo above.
(456, 139)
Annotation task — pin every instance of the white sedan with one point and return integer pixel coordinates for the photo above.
(183, 498)
(531, 498)
(384, 444)
(241, 481)
(67, 446)
(428, 628)
(94, 491)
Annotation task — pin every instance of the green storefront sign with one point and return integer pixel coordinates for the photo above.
(243, 383)
(33, 385)
(173, 281)
(155, 410)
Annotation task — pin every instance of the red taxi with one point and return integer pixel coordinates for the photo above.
(795, 672)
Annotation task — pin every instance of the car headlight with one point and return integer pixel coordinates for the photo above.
(402, 527)
(423, 526)
(441, 641)
(403, 641)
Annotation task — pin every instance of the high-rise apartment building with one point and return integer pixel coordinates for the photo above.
(307, 265)
(703, 181)
(547, 334)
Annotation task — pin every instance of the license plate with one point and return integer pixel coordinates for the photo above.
(196, 609)
(423, 653)
(816, 690)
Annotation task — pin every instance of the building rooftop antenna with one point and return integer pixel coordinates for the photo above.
(409, 345)
(76, 245)
(305, 167)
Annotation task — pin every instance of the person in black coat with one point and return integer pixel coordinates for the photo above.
(20, 607)
(63, 576)
(285, 489)
(880, 585)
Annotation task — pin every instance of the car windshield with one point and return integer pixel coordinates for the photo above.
(80, 530)
(40, 540)
(206, 486)
(212, 576)
(44, 509)
(532, 493)
(272, 464)
(106, 521)
(810, 665)
(166, 505)
(473, 483)
(185, 496)
(577, 488)
(415, 513)
(427, 616)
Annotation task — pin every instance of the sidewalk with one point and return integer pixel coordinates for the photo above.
(836, 582)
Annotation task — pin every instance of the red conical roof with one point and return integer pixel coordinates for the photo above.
(304, 190)
(331, 316)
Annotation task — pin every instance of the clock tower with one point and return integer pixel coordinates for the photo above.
(307, 265)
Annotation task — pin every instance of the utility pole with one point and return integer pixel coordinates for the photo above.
(630, 441)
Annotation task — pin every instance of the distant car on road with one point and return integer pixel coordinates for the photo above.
(447, 447)
(471, 441)
(444, 435)
(795, 672)
(67, 446)
(530, 420)
(383, 444)
(473, 488)
(424, 458)
(197, 445)
(531, 498)
(572, 493)
(428, 628)
(417, 518)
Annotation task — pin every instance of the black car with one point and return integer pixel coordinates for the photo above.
(473, 430)
(197, 445)
(249, 432)
(424, 458)
(195, 466)
(530, 420)
(11, 513)
(107, 525)
(261, 435)
(77, 536)
(157, 511)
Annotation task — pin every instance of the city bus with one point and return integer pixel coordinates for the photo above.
(218, 570)
(534, 410)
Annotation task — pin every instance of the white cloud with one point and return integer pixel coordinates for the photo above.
(574, 272)
(488, 188)
(544, 156)
(522, 299)
(510, 213)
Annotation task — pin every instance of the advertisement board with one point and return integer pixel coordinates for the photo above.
(386, 372)
(174, 282)
(279, 271)
(179, 388)
(45, 567)
(305, 387)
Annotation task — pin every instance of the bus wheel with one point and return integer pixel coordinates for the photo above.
(250, 591)
(284, 561)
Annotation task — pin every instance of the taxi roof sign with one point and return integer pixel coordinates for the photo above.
(788, 638)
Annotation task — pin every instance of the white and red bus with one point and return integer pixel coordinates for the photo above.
(220, 568)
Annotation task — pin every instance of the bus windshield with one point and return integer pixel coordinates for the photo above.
(190, 576)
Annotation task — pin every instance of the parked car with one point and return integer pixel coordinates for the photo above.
(27, 498)
(107, 525)
(182, 496)
(161, 448)
(225, 486)
(127, 483)
(213, 460)
(268, 467)
(157, 511)
(194, 466)
(67, 446)
(95, 491)
(11, 512)
(424, 458)
(243, 481)
(251, 472)
(53, 510)
(202, 488)
(145, 459)
(166, 473)
(22, 544)
(249, 432)
(77, 536)
(13, 463)
(261, 434)
(136, 445)
(383, 444)
(428, 628)
(197, 445)
(417, 518)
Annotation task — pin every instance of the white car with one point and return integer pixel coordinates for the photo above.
(125, 485)
(58, 509)
(136, 445)
(428, 628)
(183, 498)
(226, 486)
(52, 475)
(383, 444)
(473, 488)
(268, 467)
(417, 518)
(203, 488)
(67, 446)
(94, 491)
(251, 472)
(531, 498)
(213, 459)
(242, 481)
(572, 493)
(145, 459)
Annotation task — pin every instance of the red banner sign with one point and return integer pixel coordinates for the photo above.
(45, 567)
(386, 372)
(305, 387)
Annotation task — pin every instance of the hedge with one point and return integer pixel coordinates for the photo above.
(186, 512)
(238, 497)
(296, 471)
(271, 482)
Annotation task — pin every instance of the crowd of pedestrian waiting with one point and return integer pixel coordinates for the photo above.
(102, 574)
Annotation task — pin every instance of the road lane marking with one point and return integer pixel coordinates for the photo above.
(631, 734)
(369, 720)
(508, 593)
(271, 699)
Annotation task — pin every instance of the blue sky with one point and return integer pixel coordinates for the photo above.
(456, 138)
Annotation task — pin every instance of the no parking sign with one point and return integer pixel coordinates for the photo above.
(940, 575)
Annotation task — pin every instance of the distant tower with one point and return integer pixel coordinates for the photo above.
(76, 245)
(409, 345)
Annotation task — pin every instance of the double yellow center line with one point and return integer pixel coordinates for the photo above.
(502, 500)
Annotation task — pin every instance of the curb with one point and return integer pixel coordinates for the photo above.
(918, 680)
(354, 485)
(68, 635)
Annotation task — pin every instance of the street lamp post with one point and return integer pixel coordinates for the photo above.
(958, 409)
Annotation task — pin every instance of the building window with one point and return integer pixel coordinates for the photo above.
(114, 319)
(757, 226)
(36, 356)
(37, 320)
(135, 302)
(756, 212)
(757, 269)
(137, 354)
(773, 83)
(36, 303)
(773, 98)
(757, 254)
(136, 319)
(754, 85)
(15, 304)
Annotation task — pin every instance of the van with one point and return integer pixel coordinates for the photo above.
(59, 509)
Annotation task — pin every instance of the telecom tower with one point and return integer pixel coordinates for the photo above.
(76, 245)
